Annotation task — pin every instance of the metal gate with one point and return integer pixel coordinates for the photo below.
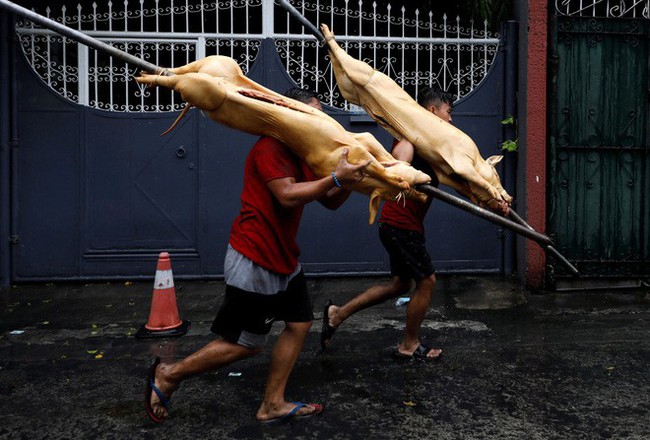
(98, 193)
(600, 139)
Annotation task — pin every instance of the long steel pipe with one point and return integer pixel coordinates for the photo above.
(484, 213)
(83, 38)
(550, 249)
(301, 18)
(519, 225)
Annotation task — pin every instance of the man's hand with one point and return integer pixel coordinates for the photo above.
(347, 173)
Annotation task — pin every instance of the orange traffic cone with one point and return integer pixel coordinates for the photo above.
(163, 317)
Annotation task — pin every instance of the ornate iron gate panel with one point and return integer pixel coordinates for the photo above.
(599, 139)
(413, 48)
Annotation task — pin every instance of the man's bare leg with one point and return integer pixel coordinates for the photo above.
(373, 296)
(214, 355)
(283, 358)
(415, 312)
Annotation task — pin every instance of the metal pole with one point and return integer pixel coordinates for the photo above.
(301, 18)
(520, 227)
(550, 249)
(484, 213)
(83, 38)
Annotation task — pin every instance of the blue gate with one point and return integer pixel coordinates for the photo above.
(98, 193)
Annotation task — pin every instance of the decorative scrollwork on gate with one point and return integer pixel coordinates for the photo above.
(603, 8)
(409, 47)
(163, 32)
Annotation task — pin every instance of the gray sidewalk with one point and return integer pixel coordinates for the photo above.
(515, 366)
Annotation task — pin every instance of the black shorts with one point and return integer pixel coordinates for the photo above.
(408, 254)
(245, 318)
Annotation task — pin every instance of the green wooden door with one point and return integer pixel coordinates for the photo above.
(599, 168)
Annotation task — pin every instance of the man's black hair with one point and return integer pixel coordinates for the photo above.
(300, 94)
(435, 96)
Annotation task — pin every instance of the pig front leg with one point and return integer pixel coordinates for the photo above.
(468, 182)
(488, 196)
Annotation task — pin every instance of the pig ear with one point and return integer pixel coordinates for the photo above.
(375, 203)
(493, 160)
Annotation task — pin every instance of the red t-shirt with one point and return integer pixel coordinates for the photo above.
(408, 213)
(265, 231)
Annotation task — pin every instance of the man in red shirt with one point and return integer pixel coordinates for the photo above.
(264, 280)
(401, 231)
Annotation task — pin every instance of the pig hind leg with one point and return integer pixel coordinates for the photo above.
(199, 90)
(351, 73)
(216, 65)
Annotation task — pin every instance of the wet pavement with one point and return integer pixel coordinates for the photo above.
(516, 365)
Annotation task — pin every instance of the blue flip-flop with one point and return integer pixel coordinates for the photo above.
(150, 386)
(293, 414)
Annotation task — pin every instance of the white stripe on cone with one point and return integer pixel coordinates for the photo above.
(164, 279)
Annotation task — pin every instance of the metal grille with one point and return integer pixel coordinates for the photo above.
(164, 32)
(599, 161)
(409, 46)
(603, 8)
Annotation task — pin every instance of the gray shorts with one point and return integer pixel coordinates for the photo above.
(245, 318)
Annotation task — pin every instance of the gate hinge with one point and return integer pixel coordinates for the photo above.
(14, 239)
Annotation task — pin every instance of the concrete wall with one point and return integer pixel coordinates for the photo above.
(531, 180)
